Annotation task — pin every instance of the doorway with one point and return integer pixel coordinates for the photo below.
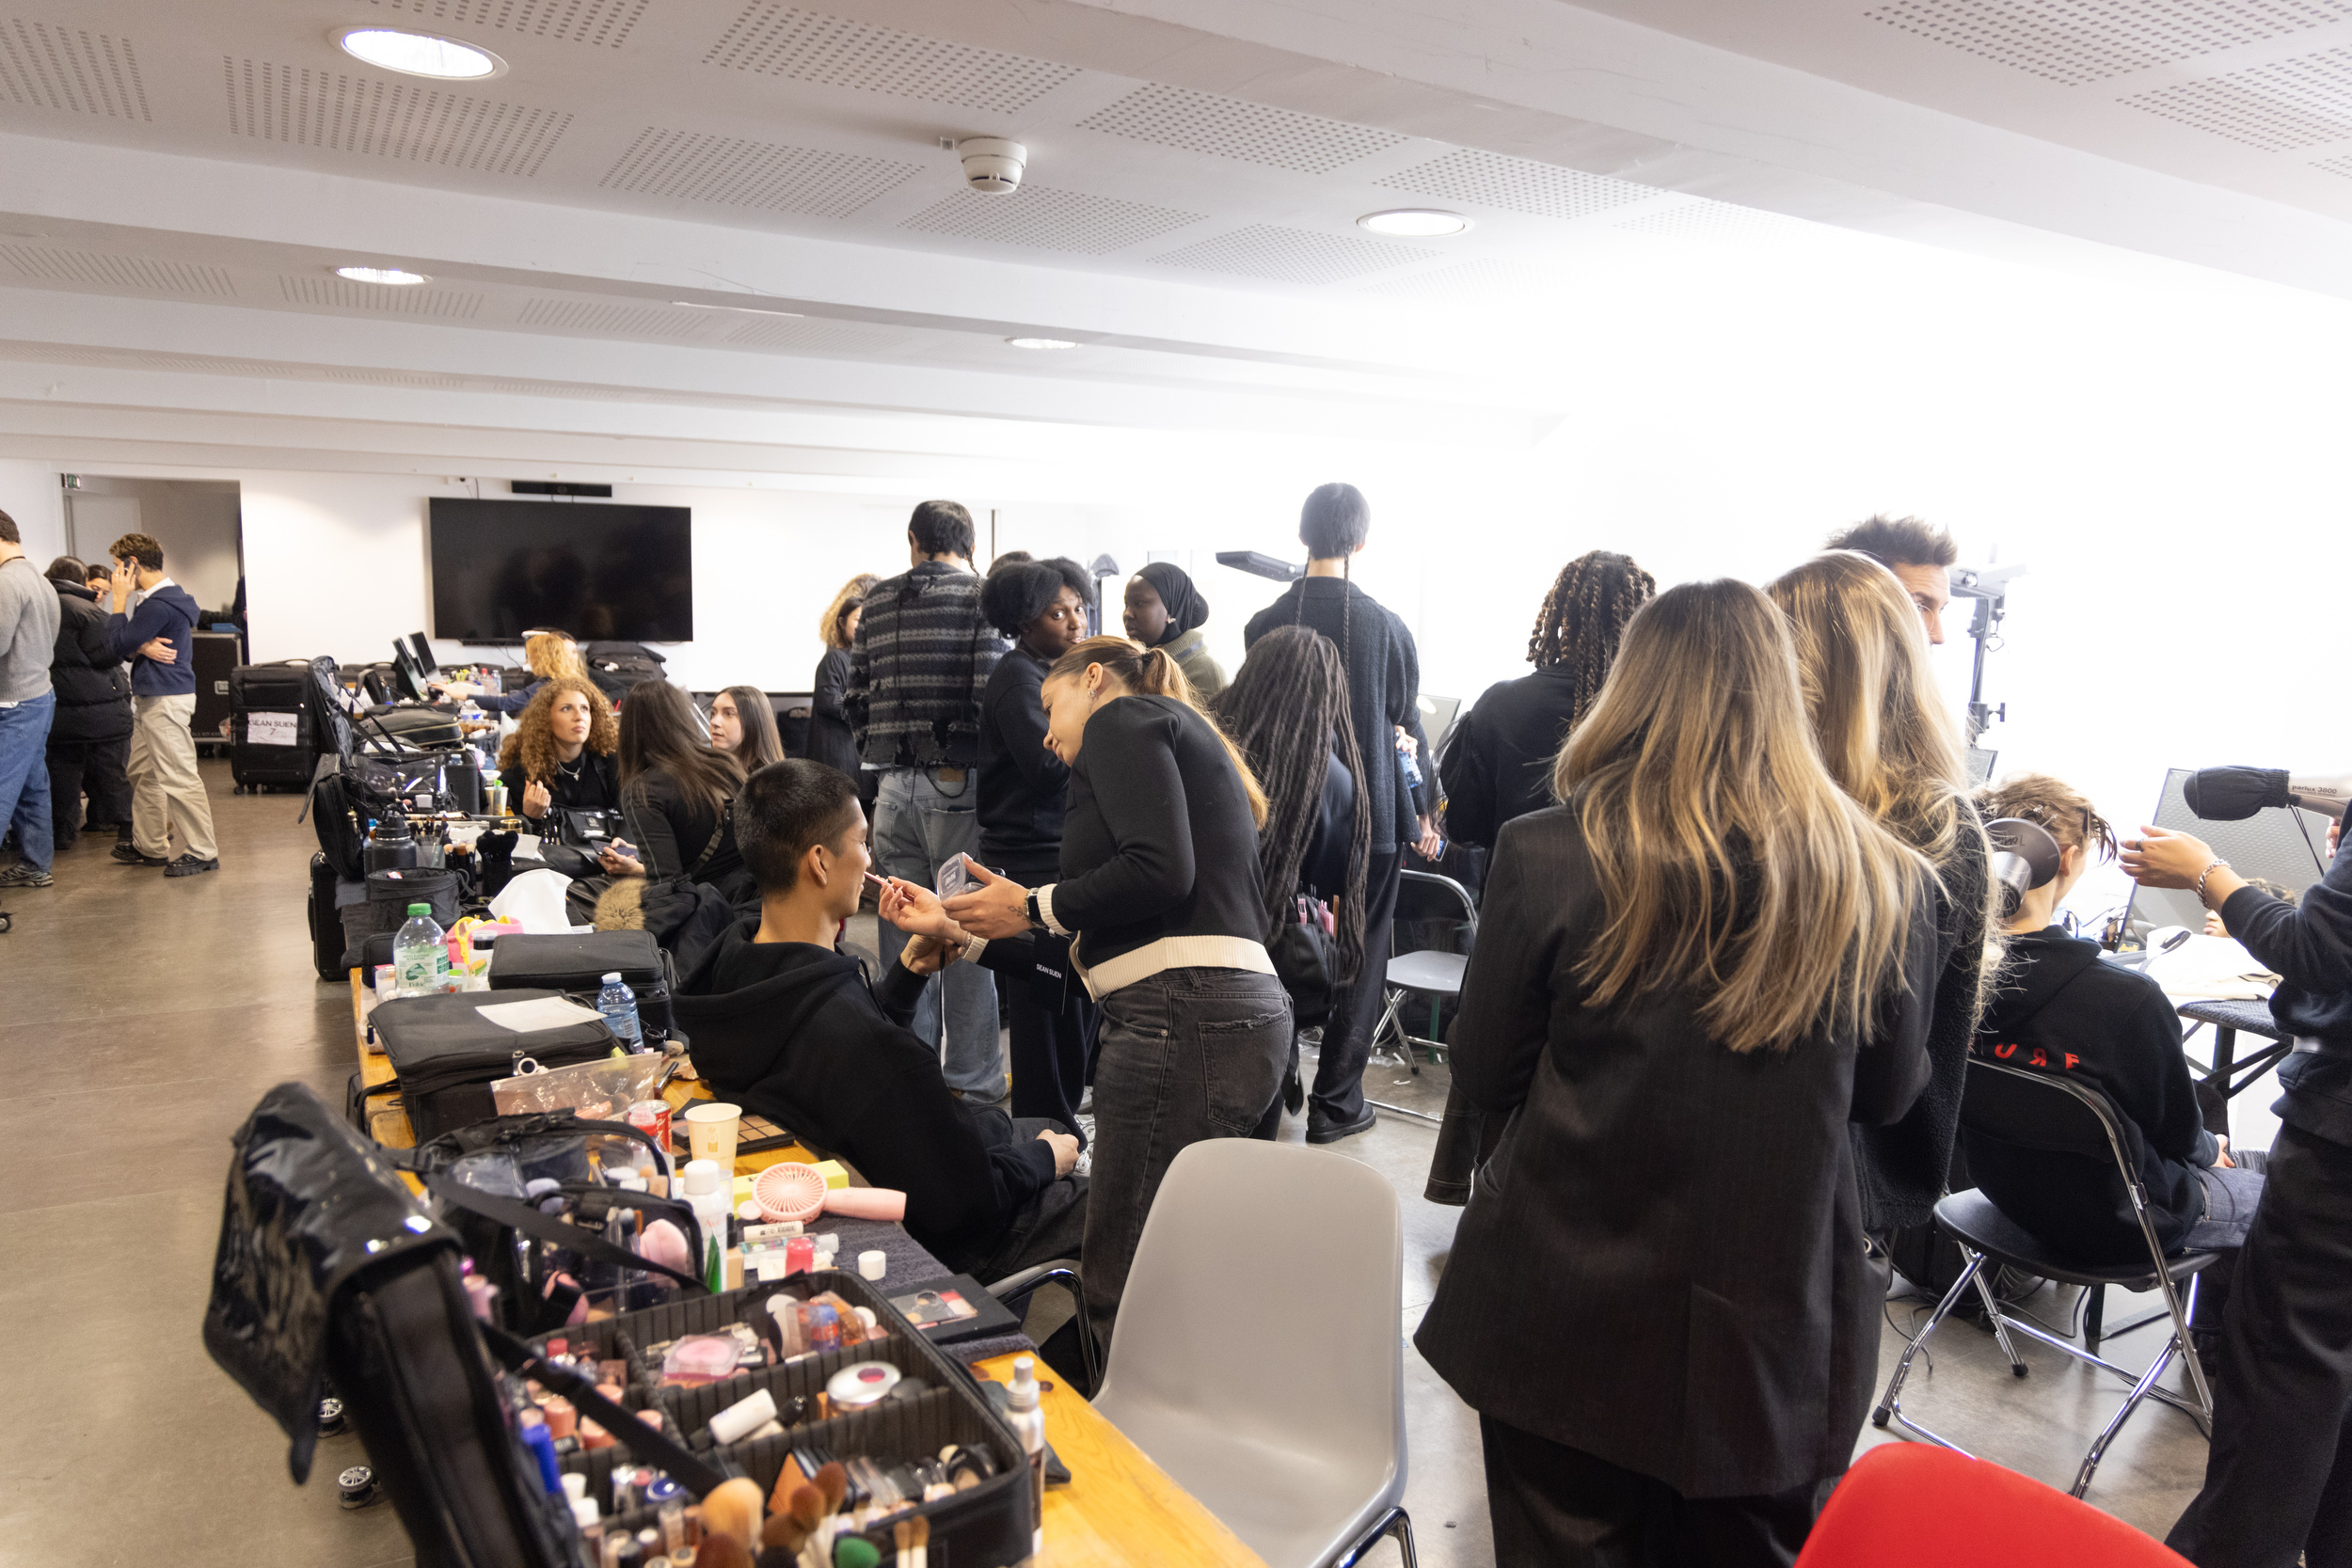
(199, 524)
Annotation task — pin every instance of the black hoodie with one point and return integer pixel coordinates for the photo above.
(2060, 1007)
(791, 1031)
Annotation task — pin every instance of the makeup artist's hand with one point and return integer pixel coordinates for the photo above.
(1000, 907)
(1065, 1149)
(916, 911)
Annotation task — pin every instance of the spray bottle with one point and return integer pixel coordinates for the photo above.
(1027, 1416)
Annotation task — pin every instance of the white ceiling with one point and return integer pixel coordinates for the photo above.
(178, 182)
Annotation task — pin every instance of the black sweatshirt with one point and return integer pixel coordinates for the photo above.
(1159, 841)
(1383, 681)
(671, 832)
(2060, 1007)
(1025, 788)
(1497, 761)
(596, 787)
(792, 1032)
(2309, 947)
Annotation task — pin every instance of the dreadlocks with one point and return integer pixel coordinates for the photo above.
(1288, 710)
(1583, 618)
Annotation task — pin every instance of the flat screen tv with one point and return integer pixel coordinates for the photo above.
(502, 568)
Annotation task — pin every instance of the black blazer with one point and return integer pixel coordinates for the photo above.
(1498, 760)
(1662, 1262)
(829, 738)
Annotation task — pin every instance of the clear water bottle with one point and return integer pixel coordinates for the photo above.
(421, 954)
(618, 1003)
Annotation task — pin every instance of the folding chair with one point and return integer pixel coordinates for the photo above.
(2044, 1112)
(1424, 970)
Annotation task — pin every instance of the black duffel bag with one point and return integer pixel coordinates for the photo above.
(580, 961)
(385, 908)
(445, 1055)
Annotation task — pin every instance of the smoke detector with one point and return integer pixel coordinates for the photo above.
(991, 164)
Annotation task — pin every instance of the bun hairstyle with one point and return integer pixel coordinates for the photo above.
(1153, 674)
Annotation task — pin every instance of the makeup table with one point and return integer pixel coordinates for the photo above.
(1119, 1510)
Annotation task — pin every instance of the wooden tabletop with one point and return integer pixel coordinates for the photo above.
(1119, 1510)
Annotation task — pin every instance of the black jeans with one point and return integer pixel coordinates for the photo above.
(1562, 1508)
(1337, 1096)
(1187, 1055)
(2279, 1482)
(1050, 1021)
(101, 766)
(1051, 1226)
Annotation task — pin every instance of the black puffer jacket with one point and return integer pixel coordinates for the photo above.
(93, 693)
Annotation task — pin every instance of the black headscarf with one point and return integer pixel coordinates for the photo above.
(1187, 609)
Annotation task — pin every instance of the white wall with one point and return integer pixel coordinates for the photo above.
(29, 494)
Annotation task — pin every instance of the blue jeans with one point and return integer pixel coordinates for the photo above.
(24, 777)
(920, 823)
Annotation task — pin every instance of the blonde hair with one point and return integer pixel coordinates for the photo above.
(1884, 731)
(1151, 671)
(1730, 864)
(550, 655)
(853, 597)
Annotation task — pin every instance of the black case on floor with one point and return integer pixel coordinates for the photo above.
(385, 906)
(276, 691)
(579, 963)
(329, 893)
(445, 1055)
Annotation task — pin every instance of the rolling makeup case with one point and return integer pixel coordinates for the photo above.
(269, 726)
(329, 893)
(580, 961)
(445, 1055)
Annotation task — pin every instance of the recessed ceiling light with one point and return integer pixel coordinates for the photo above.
(381, 275)
(747, 309)
(419, 53)
(1419, 223)
(1040, 342)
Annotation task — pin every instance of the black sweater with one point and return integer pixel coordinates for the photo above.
(671, 833)
(1498, 760)
(1383, 680)
(1025, 788)
(2060, 1007)
(1159, 840)
(2310, 946)
(792, 1032)
(93, 693)
(596, 786)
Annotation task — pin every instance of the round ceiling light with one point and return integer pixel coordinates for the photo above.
(419, 53)
(1040, 342)
(1414, 223)
(381, 275)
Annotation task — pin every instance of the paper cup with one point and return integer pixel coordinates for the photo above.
(710, 1130)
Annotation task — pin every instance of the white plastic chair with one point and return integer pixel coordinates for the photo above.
(1258, 1356)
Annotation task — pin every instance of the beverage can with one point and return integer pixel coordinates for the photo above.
(652, 1117)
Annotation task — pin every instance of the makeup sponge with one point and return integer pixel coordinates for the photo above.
(665, 1243)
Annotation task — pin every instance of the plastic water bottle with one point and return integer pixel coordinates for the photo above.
(1028, 1422)
(618, 1003)
(420, 954)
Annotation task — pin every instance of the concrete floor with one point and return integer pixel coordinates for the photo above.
(141, 1018)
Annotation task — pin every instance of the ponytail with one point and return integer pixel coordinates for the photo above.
(1153, 674)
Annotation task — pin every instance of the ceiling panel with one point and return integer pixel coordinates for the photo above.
(143, 273)
(1515, 184)
(1292, 255)
(388, 119)
(1044, 218)
(2279, 107)
(808, 46)
(58, 67)
(605, 23)
(341, 293)
(1230, 128)
(2074, 42)
(684, 166)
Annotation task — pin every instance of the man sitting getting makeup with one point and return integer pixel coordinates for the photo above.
(788, 1027)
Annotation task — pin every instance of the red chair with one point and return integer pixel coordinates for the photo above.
(1926, 1506)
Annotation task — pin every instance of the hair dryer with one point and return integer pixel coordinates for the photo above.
(2233, 794)
(2024, 857)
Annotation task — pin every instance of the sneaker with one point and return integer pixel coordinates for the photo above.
(1321, 1131)
(188, 865)
(22, 875)
(128, 854)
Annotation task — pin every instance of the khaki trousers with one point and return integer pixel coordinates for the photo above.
(165, 792)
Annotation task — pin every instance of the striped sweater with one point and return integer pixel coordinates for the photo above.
(919, 667)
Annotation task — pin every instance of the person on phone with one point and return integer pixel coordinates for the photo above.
(743, 725)
(919, 671)
(560, 756)
(788, 1027)
(1159, 883)
(677, 796)
(153, 616)
(1691, 975)
(2278, 1480)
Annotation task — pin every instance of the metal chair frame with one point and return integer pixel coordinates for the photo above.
(1392, 1017)
(2178, 1306)
(1016, 1288)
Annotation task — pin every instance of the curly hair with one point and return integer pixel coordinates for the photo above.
(853, 597)
(1897, 541)
(532, 744)
(139, 547)
(1018, 592)
(1583, 620)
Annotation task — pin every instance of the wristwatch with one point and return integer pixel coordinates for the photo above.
(1035, 918)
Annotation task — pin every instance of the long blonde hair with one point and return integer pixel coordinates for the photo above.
(1151, 671)
(853, 597)
(1884, 731)
(1730, 864)
(550, 656)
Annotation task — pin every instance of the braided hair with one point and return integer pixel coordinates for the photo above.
(1583, 618)
(1288, 710)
